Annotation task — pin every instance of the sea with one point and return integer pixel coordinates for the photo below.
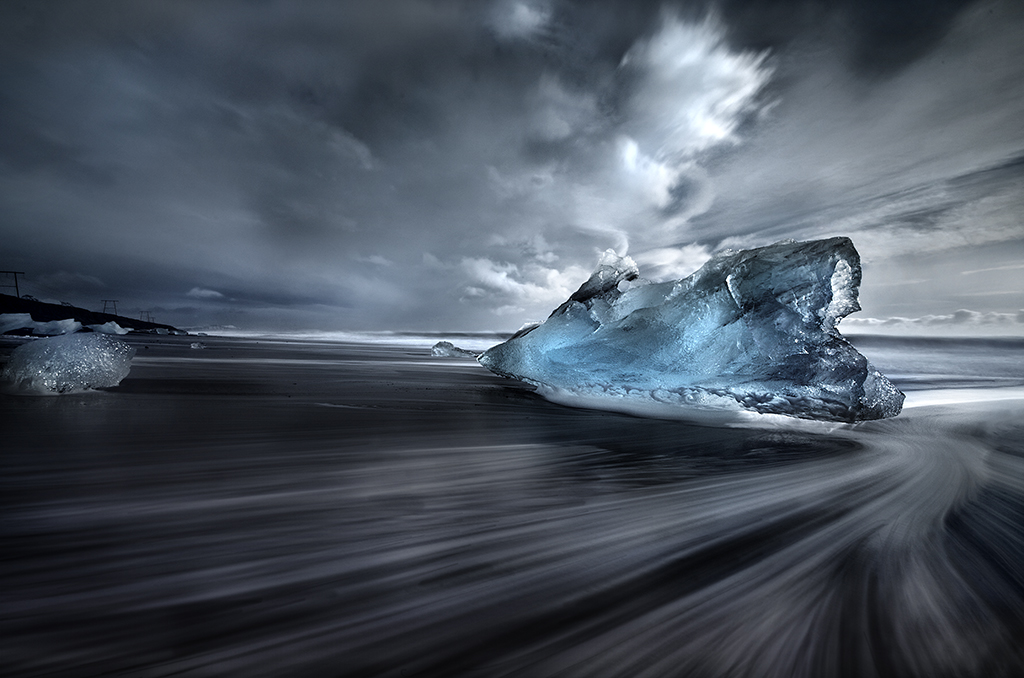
(351, 505)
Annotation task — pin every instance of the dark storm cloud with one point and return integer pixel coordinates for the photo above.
(449, 163)
(920, 167)
(877, 36)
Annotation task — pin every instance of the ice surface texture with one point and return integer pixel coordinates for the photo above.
(67, 364)
(753, 330)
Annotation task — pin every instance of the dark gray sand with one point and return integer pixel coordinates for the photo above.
(287, 508)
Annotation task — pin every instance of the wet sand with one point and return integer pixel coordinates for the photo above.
(302, 508)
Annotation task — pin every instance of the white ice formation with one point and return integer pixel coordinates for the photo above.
(109, 327)
(67, 364)
(751, 330)
(18, 321)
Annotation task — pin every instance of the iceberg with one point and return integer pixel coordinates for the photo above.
(67, 364)
(754, 330)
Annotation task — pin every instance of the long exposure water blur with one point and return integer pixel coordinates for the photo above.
(315, 508)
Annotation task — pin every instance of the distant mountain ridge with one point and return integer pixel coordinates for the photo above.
(44, 312)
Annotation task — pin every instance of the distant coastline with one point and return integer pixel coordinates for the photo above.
(44, 312)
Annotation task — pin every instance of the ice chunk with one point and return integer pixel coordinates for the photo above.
(109, 327)
(67, 364)
(17, 321)
(753, 330)
(55, 327)
(446, 349)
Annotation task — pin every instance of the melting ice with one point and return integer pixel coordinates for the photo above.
(751, 330)
(67, 364)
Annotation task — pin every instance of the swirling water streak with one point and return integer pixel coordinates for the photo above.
(327, 510)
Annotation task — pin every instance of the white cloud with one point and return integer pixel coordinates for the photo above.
(1008, 267)
(519, 19)
(347, 145)
(689, 93)
(961, 321)
(508, 309)
(378, 260)
(201, 293)
(693, 91)
(634, 177)
(654, 179)
(671, 263)
(527, 286)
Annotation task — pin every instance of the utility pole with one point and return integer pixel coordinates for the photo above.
(15, 274)
(109, 302)
(146, 316)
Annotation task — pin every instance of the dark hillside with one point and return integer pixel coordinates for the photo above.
(43, 312)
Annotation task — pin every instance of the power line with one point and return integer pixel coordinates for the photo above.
(15, 274)
(109, 302)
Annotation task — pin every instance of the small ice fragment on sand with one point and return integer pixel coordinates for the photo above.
(446, 349)
(110, 327)
(67, 364)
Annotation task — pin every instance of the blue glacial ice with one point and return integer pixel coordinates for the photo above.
(67, 364)
(754, 330)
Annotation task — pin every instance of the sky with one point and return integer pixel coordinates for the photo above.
(462, 164)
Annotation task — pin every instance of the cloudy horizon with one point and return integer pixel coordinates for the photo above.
(455, 165)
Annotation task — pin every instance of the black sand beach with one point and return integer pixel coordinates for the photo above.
(302, 508)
